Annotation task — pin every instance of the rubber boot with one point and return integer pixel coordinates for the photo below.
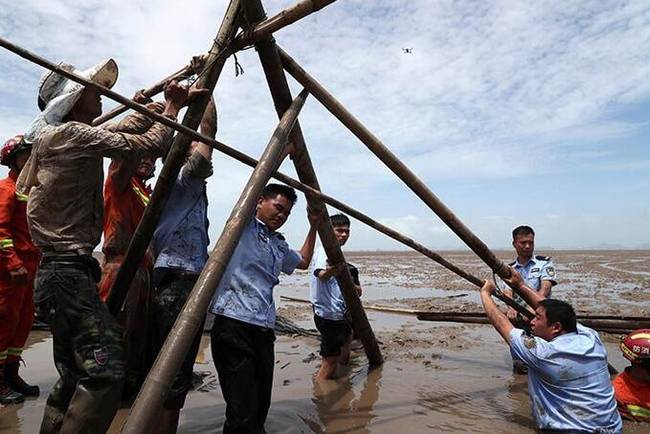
(16, 383)
(168, 421)
(52, 420)
(92, 408)
(7, 395)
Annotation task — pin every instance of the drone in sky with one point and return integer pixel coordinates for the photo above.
(407, 50)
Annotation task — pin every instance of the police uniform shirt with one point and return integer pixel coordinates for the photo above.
(537, 269)
(245, 292)
(325, 295)
(568, 381)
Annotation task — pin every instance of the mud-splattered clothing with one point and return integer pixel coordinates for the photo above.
(181, 238)
(125, 198)
(64, 179)
(181, 248)
(632, 396)
(16, 251)
(168, 301)
(568, 381)
(87, 340)
(245, 292)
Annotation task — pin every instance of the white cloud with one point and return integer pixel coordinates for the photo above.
(492, 91)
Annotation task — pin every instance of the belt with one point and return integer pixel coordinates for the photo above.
(73, 260)
(49, 251)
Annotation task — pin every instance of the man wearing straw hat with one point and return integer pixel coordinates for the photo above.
(63, 179)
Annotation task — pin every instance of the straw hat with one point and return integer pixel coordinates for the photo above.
(53, 85)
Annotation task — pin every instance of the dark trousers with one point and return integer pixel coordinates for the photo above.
(88, 351)
(244, 357)
(170, 295)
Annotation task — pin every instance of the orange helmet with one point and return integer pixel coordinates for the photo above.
(636, 346)
(12, 147)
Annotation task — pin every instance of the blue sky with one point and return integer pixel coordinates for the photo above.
(511, 112)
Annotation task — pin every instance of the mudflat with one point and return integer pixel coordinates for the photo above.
(438, 377)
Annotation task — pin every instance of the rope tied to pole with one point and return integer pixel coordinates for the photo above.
(239, 70)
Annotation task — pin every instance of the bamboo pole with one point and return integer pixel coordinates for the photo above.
(400, 310)
(175, 158)
(249, 161)
(282, 19)
(281, 95)
(271, 25)
(154, 90)
(155, 388)
(395, 165)
(609, 326)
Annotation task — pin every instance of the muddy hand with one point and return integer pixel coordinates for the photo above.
(141, 98)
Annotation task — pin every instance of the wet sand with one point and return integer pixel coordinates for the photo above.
(438, 377)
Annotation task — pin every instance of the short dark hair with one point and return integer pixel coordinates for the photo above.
(339, 220)
(272, 190)
(522, 230)
(560, 311)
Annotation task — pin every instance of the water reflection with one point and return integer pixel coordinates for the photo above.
(344, 405)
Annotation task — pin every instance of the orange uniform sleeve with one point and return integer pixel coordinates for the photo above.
(9, 260)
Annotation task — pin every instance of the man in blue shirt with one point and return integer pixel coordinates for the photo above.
(242, 335)
(568, 380)
(537, 271)
(180, 245)
(330, 310)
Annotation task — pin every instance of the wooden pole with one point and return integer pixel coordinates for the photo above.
(174, 161)
(609, 326)
(240, 156)
(282, 19)
(281, 95)
(154, 90)
(278, 21)
(394, 164)
(249, 161)
(598, 322)
(149, 402)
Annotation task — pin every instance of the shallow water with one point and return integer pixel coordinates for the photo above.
(438, 377)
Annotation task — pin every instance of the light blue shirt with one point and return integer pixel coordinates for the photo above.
(537, 269)
(245, 292)
(568, 381)
(325, 295)
(181, 238)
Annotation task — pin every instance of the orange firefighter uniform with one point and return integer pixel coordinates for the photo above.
(125, 197)
(632, 387)
(16, 251)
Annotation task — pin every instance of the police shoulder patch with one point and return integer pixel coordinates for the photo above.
(529, 342)
(543, 258)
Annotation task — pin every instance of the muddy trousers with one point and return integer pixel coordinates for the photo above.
(134, 321)
(16, 317)
(169, 297)
(244, 357)
(88, 351)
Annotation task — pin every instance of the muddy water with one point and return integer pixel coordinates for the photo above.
(437, 377)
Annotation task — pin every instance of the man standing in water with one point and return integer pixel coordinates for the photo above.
(180, 245)
(537, 271)
(242, 335)
(330, 310)
(568, 379)
(63, 179)
(18, 262)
